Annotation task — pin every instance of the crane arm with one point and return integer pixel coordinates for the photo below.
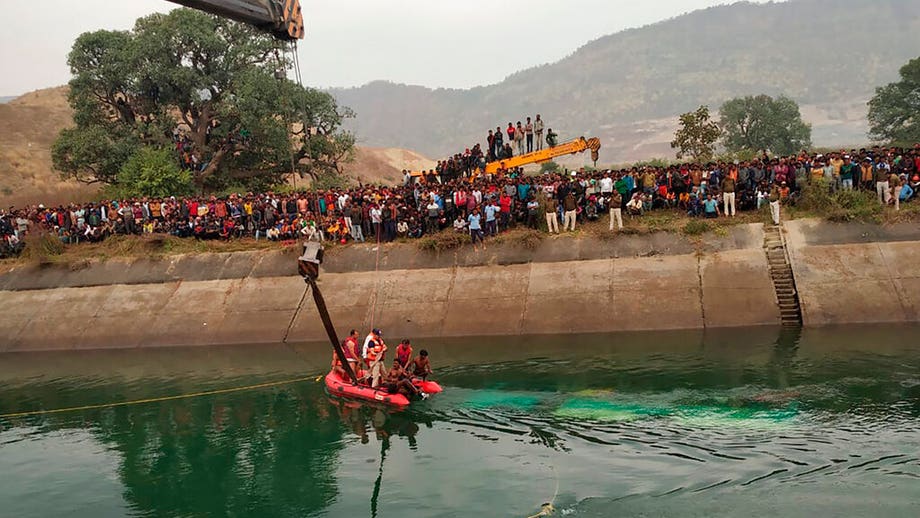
(282, 18)
(546, 154)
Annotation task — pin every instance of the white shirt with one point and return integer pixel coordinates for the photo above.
(376, 215)
(606, 184)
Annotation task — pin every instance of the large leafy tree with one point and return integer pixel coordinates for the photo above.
(894, 112)
(762, 123)
(697, 135)
(213, 78)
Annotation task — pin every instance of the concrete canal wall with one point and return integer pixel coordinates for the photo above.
(659, 281)
(854, 273)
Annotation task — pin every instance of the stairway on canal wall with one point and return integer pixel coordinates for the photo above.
(782, 275)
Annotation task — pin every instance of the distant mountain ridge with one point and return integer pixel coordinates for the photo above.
(628, 87)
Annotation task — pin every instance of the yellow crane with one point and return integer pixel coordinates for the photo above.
(546, 154)
(571, 147)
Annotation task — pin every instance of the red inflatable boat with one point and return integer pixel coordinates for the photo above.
(342, 387)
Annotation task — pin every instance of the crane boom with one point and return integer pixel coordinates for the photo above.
(546, 154)
(282, 18)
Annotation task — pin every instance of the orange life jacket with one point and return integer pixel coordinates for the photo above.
(374, 351)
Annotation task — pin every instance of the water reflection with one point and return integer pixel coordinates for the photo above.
(624, 421)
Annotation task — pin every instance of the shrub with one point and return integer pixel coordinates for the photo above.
(850, 205)
(151, 172)
(696, 227)
(42, 247)
(441, 241)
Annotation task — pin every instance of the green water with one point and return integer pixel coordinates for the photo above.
(742, 423)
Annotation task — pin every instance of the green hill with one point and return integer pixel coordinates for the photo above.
(628, 87)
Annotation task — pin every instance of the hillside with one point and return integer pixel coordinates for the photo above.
(30, 123)
(28, 126)
(628, 87)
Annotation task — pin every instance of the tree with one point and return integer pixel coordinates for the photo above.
(763, 123)
(213, 78)
(894, 112)
(152, 172)
(549, 167)
(697, 135)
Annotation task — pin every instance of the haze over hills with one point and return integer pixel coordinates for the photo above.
(628, 88)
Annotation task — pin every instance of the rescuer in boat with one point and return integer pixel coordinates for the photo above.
(353, 353)
(373, 353)
(404, 354)
(421, 366)
(398, 382)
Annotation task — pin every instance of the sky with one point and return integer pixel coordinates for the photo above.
(435, 43)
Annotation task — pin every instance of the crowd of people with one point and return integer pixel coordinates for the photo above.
(524, 138)
(482, 207)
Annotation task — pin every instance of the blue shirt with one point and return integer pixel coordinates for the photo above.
(710, 205)
(474, 220)
(490, 211)
(523, 190)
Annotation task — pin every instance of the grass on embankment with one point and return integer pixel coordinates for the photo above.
(46, 249)
(816, 202)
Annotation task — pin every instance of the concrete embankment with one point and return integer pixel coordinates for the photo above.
(854, 273)
(563, 285)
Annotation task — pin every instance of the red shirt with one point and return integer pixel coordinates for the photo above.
(403, 353)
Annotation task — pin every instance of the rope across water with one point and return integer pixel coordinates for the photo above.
(157, 399)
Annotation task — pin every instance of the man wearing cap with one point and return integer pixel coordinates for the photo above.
(895, 182)
(882, 187)
(552, 219)
(373, 353)
(774, 203)
(570, 207)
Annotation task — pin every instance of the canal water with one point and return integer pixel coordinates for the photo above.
(751, 422)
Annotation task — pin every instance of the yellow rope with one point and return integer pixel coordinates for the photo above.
(158, 399)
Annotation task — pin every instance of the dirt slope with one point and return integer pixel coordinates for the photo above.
(28, 127)
(30, 123)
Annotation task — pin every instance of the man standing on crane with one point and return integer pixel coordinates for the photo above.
(528, 131)
(538, 129)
